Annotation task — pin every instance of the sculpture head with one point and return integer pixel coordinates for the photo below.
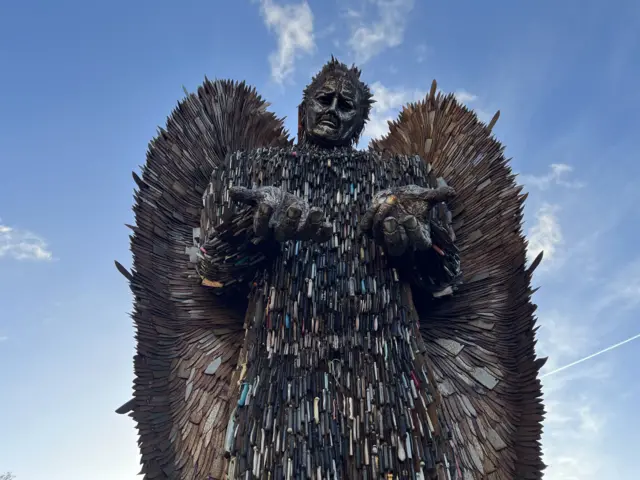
(335, 107)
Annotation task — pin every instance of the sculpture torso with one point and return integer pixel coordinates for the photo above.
(336, 384)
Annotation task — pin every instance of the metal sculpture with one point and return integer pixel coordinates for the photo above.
(315, 311)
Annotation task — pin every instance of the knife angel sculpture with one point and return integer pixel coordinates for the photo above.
(311, 310)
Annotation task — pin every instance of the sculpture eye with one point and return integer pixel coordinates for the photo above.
(345, 104)
(324, 99)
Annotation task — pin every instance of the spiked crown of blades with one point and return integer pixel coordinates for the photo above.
(334, 69)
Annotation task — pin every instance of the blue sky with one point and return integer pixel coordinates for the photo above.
(85, 84)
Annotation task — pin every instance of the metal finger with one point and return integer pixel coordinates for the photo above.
(418, 233)
(261, 219)
(312, 221)
(395, 236)
(383, 211)
(440, 194)
(366, 222)
(287, 224)
(244, 195)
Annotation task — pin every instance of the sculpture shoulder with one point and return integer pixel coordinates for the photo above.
(404, 161)
(268, 158)
(273, 156)
(405, 166)
(258, 157)
(251, 162)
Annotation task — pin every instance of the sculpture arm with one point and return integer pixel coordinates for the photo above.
(412, 222)
(228, 253)
(435, 271)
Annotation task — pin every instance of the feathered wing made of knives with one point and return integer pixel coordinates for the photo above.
(187, 340)
(276, 341)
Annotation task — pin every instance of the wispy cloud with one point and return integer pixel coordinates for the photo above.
(622, 289)
(421, 52)
(22, 244)
(573, 449)
(574, 422)
(369, 38)
(556, 176)
(293, 26)
(545, 236)
(581, 341)
(3, 338)
(582, 369)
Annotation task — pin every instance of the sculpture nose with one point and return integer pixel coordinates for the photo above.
(334, 104)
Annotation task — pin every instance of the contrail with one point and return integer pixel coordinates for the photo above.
(589, 357)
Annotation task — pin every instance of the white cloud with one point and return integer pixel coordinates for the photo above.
(555, 177)
(389, 101)
(293, 25)
(368, 39)
(545, 236)
(393, 98)
(4, 338)
(465, 97)
(22, 245)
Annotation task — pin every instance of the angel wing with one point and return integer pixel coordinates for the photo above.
(188, 341)
(481, 340)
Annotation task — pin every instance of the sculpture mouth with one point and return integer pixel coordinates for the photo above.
(329, 122)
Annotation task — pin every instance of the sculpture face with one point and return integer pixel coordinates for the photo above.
(333, 113)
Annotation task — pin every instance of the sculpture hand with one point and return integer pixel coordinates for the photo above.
(283, 215)
(398, 217)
